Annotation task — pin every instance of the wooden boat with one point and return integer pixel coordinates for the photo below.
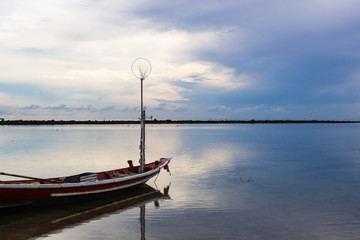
(11, 192)
(80, 184)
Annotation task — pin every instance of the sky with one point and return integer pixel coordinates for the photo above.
(211, 60)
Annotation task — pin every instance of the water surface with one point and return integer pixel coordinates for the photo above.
(246, 181)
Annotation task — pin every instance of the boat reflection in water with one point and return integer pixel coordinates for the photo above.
(25, 223)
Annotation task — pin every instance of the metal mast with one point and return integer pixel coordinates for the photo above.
(142, 135)
(141, 68)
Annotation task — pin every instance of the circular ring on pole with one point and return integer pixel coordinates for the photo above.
(141, 68)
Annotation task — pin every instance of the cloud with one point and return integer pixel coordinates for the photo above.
(253, 53)
(79, 65)
(346, 91)
(33, 52)
(213, 76)
(170, 106)
(98, 59)
(6, 111)
(219, 108)
(32, 107)
(64, 112)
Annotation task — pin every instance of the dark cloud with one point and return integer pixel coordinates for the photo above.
(59, 107)
(169, 107)
(32, 107)
(218, 108)
(107, 108)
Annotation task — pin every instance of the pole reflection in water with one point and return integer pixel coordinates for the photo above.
(142, 221)
(39, 222)
(157, 205)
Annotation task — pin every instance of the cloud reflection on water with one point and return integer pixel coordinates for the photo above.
(305, 186)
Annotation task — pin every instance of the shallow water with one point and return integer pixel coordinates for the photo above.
(286, 181)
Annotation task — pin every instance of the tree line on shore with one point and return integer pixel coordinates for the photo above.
(167, 121)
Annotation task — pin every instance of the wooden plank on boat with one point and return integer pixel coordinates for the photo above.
(88, 178)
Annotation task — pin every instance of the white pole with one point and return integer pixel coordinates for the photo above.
(142, 137)
(141, 68)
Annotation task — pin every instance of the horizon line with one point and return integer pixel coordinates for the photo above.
(166, 121)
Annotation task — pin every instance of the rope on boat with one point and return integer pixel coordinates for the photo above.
(157, 176)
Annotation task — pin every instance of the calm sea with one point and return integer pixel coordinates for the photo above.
(260, 181)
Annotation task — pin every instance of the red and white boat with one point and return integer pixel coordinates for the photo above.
(76, 185)
(85, 183)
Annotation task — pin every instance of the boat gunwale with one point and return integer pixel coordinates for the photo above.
(83, 184)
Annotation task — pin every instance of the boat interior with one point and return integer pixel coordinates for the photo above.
(88, 176)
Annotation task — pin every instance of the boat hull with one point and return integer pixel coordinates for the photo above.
(41, 191)
(13, 191)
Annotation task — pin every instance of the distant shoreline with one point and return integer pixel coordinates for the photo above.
(104, 122)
